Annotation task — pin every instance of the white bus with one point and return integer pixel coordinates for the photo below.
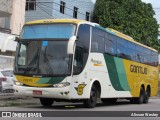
(75, 60)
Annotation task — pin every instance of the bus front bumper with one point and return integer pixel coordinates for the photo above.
(59, 93)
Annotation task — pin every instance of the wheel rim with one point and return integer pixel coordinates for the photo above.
(93, 96)
(147, 95)
(141, 96)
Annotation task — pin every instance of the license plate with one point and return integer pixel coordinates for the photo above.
(37, 92)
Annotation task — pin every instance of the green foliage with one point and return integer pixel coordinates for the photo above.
(131, 17)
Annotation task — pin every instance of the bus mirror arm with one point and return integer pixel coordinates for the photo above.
(17, 39)
(72, 40)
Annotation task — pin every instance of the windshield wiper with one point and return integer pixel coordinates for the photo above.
(29, 66)
(46, 61)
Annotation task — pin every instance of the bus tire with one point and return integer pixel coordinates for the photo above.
(47, 102)
(140, 99)
(91, 102)
(146, 96)
(109, 100)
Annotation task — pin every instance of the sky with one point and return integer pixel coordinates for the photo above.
(156, 7)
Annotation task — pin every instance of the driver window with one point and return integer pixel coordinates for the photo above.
(22, 55)
(78, 60)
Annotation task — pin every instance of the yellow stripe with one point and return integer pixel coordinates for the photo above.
(98, 65)
(45, 21)
(31, 81)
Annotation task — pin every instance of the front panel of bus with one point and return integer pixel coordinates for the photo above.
(42, 61)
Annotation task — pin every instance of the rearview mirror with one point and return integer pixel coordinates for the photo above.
(71, 43)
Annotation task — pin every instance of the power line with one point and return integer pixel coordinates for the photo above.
(65, 7)
(43, 3)
(44, 11)
(57, 10)
(54, 3)
(156, 8)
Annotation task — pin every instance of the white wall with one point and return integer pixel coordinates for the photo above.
(6, 43)
(5, 8)
(17, 17)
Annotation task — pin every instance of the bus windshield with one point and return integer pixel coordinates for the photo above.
(42, 58)
(49, 31)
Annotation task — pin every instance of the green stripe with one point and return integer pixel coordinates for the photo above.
(43, 80)
(121, 73)
(51, 80)
(112, 71)
(105, 29)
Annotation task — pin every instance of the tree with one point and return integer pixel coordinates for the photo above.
(131, 17)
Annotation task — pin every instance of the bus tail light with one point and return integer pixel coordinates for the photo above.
(3, 79)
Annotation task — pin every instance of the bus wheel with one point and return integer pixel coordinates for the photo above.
(109, 100)
(91, 103)
(140, 99)
(146, 96)
(47, 102)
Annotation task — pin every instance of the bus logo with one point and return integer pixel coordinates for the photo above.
(138, 69)
(80, 89)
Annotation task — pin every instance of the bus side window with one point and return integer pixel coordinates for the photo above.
(110, 45)
(154, 59)
(78, 61)
(147, 57)
(121, 48)
(139, 54)
(21, 56)
(97, 40)
(131, 51)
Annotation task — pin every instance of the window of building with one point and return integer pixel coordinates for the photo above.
(62, 7)
(30, 5)
(87, 16)
(75, 12)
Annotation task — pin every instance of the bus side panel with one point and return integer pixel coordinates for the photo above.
(140, 74)
(96, 70)
(105, 69)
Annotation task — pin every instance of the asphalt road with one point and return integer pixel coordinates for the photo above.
(63, 108)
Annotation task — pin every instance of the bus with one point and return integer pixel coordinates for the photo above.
(80, 61)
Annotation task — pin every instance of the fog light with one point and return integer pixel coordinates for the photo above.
(60, 85)
(66, 93)
(17, 83)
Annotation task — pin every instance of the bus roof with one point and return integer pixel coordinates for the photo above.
(112, 31)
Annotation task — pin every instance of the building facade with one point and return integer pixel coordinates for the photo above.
(45, 9)
(12, 14)
(5, 14)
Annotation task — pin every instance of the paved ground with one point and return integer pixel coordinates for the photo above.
(153, 105)
(121, 105)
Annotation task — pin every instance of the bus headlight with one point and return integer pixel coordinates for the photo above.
(60, 85)
(17, 83)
